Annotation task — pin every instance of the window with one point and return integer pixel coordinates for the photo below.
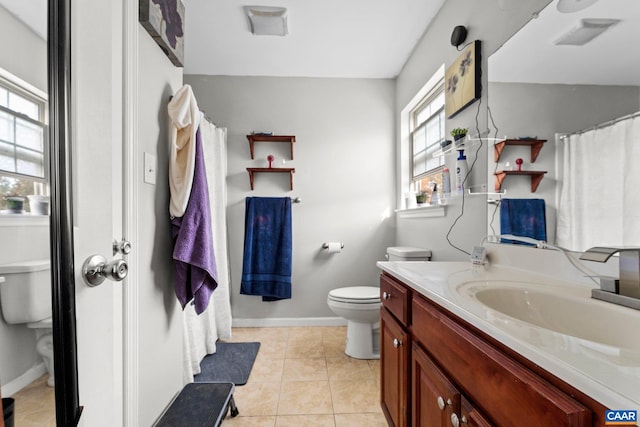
(23, 145)
(427, 130)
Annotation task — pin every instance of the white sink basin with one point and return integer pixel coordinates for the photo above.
(560, 309)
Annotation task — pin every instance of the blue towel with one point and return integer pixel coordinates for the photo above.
(195, 275)
(266, 267)
(524, 218)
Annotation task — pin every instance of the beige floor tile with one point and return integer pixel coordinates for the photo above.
(266, 369)
(305, 398)
(334, 348)
(375, 367)
(304, 349)
(306, 334)
(273, 349)
(305, 421)
(349, 369)
(361, 420)
(355, 396)
(305, 370)
(257, 398)
(242, 421)
(35, 405)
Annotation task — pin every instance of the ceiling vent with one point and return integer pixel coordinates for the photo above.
(267, 20)
(571, 6)
(585, 31)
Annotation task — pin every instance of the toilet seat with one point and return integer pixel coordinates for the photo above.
(356, 295)
(44, 323)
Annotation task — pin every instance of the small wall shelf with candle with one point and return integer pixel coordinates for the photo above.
(536, 146)
(253, 138)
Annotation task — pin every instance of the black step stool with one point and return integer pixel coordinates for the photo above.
(200, 405)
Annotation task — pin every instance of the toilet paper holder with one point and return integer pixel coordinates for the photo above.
(326, 246)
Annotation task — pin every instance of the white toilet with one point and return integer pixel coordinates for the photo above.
(25, 297)
(360, 306)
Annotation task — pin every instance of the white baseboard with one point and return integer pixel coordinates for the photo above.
(289, 321)
(23, 380)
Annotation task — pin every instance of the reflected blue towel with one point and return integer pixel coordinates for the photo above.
(266, 267)
(523, 217)
(195, 275)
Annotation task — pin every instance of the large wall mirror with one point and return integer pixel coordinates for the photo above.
(566, 76)
(35, 160)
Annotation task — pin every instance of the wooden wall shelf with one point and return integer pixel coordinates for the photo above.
(536, 177)
(536, 146)
(291, 139)
(253, 171)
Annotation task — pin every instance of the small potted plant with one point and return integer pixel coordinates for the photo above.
(458, 134)
(421, 198)
(15, 204)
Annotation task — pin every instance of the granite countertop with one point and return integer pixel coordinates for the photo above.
(608, 373)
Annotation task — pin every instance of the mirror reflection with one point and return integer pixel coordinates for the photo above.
(26, 349)
(571, 80)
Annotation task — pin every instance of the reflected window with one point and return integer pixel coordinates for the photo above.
(23, 145)
(427, 127)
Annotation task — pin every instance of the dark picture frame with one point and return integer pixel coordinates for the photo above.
(164, 21)
(462, 80)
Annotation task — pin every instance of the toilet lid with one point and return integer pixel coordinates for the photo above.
(356, 294)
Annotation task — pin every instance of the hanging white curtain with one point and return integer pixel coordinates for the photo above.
(201, 332)
(600, 199)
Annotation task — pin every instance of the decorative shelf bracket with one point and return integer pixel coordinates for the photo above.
(291, 139)
(536, 146)
(253, 171)
(536, 177)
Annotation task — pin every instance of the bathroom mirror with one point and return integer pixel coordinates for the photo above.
(539, 87)
(37, 60)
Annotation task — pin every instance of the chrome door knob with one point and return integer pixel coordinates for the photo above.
(96, 269)
(455, 421)
(122, 247)
(386, 296)
(397, 343)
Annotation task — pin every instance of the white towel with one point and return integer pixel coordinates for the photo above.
(184, 116)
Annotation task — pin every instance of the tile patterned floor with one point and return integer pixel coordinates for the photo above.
(301, 378)
(35, 405)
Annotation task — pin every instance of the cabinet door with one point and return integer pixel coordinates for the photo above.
(434, 399)
(394, 368)
(471, 417)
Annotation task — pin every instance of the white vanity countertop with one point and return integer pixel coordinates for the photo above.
(607, 374)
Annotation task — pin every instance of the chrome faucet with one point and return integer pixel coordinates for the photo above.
(628, 286)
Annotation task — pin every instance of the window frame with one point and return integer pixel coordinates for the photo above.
(432, 95)
(23, 89)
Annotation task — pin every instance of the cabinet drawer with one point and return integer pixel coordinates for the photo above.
(511, 393)
(395, 297)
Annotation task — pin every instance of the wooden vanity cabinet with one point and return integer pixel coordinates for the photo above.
(458, 376)
(394, 367)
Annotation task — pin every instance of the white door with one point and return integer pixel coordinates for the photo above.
(96, 122)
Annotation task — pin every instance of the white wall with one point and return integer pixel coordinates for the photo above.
(542, 110)
(344, 156)
(493, 27)
(24, 57)
(160, 315)
(23, 53)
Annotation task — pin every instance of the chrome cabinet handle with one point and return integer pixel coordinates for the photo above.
(397, 343)
(96, 269)
(442, 404)
(464, 420)
(386, 295)
(455, 421)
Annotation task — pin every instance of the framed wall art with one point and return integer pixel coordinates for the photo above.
(462, 80)
(164, 21)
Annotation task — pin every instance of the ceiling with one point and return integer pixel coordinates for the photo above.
(327, 38)
(610, 59)
(374, 38)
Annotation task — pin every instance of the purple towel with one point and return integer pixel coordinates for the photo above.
(195, 266)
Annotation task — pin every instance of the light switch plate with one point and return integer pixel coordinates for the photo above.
(149, 168)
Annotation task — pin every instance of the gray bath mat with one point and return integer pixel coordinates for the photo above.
(231, 362)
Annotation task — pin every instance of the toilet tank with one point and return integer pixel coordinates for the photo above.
(25, 295)
(408, 253)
